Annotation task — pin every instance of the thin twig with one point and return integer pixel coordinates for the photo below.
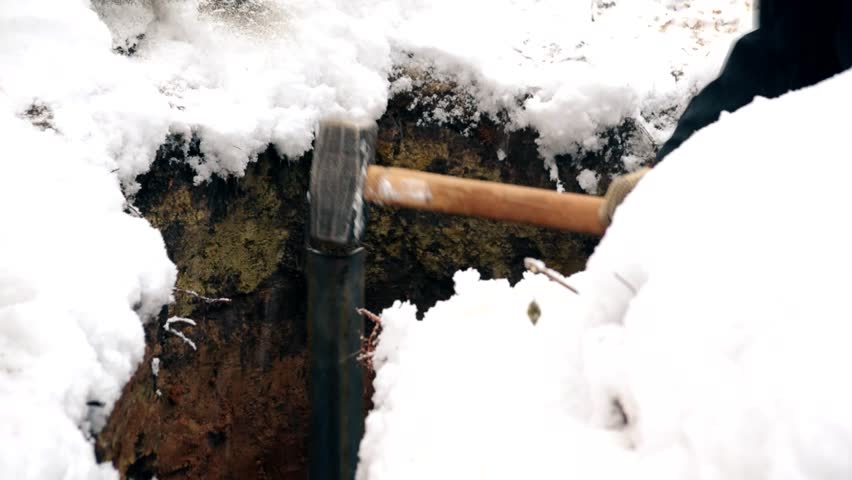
(369, 344)
(178, 333)
(202, 297)
(132, 210)
(370, 315)
(625, 283)
(537, 266)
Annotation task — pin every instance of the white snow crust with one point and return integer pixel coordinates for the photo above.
(243, 75)
(710, 338)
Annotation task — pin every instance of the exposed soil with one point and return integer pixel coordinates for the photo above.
(237, 408)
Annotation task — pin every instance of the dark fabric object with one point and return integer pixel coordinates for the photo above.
(796, 44)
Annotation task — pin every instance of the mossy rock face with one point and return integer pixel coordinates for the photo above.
(413, 255)
(229, 249)
(237, 407)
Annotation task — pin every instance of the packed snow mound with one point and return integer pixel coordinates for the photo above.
(240, 76)
(476, 390)
(709, 338)
(76, 276)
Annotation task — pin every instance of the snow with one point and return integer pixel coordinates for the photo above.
(709, 338)
(58, 54)
(155, 366)
(218, 69)
(633, 162)
(76, 276)
(169, 328)
(89, 90)
(569, 70)
(588, 181)
(243, 75)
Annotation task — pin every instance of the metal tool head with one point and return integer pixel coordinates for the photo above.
(342, 152)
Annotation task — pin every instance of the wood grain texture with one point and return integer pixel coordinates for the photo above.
(476, 198)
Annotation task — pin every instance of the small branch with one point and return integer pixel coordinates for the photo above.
(626, 283)
(167, 327)
(368, 344)
(370, 315)
(537, 266)
(172, 320)
(132, 210)
(202, 297)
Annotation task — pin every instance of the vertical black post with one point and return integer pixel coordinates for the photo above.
(335, 273)
(335, 290)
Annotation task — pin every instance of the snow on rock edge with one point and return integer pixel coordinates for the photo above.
(244, 75)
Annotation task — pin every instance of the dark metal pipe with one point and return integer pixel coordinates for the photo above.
(335, 271)
(335, 291)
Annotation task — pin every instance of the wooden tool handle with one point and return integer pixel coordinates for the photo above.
(498, 201)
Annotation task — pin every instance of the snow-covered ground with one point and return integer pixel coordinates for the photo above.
(76, 276)
(710, 337)
(243, 75)
(90, 89)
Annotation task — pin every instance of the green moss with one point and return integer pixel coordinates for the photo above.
(440, 245)
(416, 253)
(228, 237)
(233, 252)
(413, 151)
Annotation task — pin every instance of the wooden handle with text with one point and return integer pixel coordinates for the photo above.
(400, 187)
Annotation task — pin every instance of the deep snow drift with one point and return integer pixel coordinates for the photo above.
(77, 274)
(730, 362)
